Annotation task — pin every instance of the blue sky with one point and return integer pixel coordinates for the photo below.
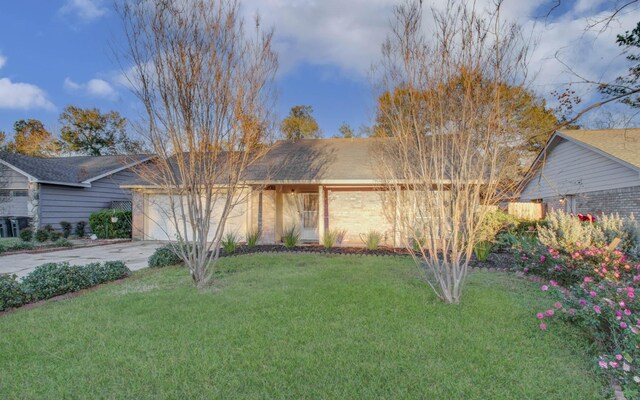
(55, 53)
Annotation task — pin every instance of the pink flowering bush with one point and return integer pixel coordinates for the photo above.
(571, 267)
(609, 312)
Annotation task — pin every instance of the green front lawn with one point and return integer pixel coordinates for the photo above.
(294, 326)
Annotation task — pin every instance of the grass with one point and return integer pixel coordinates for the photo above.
(294, 326)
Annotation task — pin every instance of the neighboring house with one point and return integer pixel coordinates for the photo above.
(315, 185)
(588, 171)
(51, 190)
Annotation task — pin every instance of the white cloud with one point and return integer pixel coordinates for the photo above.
(94, 87)
(348, 35)
(85, 10)
(22, 96)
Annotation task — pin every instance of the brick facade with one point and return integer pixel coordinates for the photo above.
(358, 212)
(623, 201)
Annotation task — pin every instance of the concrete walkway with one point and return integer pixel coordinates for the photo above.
(134, 254)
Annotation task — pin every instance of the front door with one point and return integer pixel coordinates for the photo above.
(309, 205)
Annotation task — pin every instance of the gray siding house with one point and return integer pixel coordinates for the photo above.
(588, 171)
(51, 190)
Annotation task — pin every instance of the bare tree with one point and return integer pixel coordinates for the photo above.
(449, 152)
(207, 88)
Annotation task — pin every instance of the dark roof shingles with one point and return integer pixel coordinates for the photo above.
(69, 170)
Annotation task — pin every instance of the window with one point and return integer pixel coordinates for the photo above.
(20, 193)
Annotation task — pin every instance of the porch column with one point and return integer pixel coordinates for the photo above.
(320, 212)
(397, 237)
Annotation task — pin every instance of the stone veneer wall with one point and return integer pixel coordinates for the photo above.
(33, 205)
(358, 212)
(137, 223)
(623, 201)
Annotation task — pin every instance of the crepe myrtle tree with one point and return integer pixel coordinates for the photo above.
(206, 83)
(448, 149)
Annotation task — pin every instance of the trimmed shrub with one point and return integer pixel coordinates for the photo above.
(291, 237)
(26, 235)
(11, 293)
(230, 242)
(54, 279)
(494, 222)
(80, 229)
(42, 235)
(54, 235)
(66, 229)
(48, 228)
(100, 222)
(106, 272)
(165, 256)
(253, 237)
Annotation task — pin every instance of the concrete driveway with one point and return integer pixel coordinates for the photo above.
(134, 254)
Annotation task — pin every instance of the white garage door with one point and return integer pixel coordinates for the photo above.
(160, 223)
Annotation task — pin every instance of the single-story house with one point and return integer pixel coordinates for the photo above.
(315, 185)
(587, 171)
(51, 190)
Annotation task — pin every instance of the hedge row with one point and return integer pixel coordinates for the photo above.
(100, 222)
(54, 279)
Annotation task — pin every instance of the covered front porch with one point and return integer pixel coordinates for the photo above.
(315, 209)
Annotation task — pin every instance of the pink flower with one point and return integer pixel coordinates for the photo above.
(572, 311)
(603, 364)
(587, 279)
(557, 268)
(593, 294)
(544, 288)
(543, 326)
(526, 270)
(596, 309)
(583, 302)
(553, 283)
(540, 315)
(619, 357)
(613, 364)
(558, 305)
(627, 312)
(623, 325)
(542, 258)
(549, 313)
(621, 304)
(631, 295)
